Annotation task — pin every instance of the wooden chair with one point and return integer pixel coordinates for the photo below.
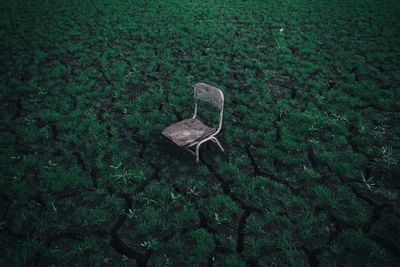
(192, 132)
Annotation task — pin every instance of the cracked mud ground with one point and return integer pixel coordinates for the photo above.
(311, 133)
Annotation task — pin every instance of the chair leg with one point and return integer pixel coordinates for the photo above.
(197, 153)
(189, 150)
(215, 140)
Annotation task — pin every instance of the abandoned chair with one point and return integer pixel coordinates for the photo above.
(192, 132)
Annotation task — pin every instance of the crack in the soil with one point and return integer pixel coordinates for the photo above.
(120, 247)
(143, 150)
(116, 242)
(386, 244)
(259, 172)
(18, 104)
(253, 162)
(339, 226)
(278, 135)
(218, 248)
(241, 232)
(312, 256)
(377, 212)
(376, 215)
(228, 191)
(396, 109)
(203, 223)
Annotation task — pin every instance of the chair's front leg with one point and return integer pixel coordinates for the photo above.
(198, 147)
(197, 152)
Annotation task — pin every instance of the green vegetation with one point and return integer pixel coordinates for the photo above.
(311, 130)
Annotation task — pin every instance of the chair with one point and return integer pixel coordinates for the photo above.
(192, 132)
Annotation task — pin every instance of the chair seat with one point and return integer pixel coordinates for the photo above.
(186, 132)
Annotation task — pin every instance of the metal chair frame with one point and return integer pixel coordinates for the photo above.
(211, 137)
(215, 97)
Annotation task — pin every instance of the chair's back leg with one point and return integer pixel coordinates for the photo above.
(215, 140)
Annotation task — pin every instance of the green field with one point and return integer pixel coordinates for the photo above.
(311, 173)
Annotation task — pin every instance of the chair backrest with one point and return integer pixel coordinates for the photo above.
(209, 94)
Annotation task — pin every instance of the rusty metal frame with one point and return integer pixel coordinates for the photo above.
(210, 137)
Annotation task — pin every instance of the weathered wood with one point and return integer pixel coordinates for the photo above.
(210, 94)
(185, 132)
